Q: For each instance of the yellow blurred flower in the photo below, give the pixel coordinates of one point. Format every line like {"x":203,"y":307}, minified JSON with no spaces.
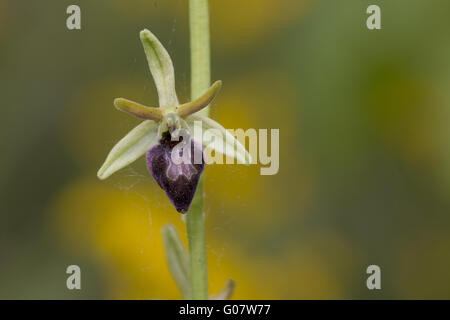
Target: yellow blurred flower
{"x":120,"y":231}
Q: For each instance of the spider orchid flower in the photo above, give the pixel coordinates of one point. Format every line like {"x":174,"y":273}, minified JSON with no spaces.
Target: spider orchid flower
{"x":174,"y":158}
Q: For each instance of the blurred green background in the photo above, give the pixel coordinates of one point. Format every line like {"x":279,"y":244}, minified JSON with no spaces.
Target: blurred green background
{"x":364,"y":149}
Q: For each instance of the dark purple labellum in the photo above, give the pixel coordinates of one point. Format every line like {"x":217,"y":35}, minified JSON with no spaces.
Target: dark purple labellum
{"x":177,"y":169}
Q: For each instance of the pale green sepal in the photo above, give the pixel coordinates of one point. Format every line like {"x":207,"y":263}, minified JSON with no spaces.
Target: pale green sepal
{"x":161,"y":68}
{"x":177,"y":260}
{"x":191,"y":107}
{"x":136,"y":143}
{"x":227,"y":291}
{"x":216,"y":137}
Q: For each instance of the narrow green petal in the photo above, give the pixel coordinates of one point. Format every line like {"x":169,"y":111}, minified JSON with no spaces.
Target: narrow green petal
{"x":161,"y":68}
{"x":177,"y":260}
{"x":138,"y":109}
{"x":191,"y":107}
{"x":229,"y":145}
{"x":132,"y":146}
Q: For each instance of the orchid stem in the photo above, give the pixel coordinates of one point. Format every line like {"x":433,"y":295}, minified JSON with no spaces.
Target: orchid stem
{"x":200,"y":81}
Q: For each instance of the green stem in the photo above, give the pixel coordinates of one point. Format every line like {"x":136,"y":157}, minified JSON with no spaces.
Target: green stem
{"x":200,"y":48}
{"x":200,"y":81}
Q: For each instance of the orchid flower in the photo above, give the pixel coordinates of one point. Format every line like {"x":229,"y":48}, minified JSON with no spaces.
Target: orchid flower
{"x":174,"y":159}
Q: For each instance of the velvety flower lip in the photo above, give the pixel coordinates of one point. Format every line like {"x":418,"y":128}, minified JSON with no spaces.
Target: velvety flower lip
{"x":158,"y":135}
{"x":179,"y":179}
